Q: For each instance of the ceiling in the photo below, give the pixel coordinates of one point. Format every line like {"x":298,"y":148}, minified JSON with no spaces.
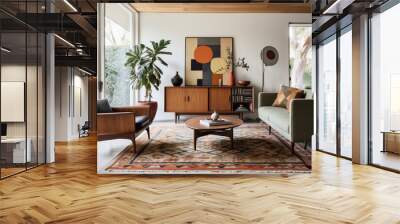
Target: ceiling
{"x":253,"y":7}
{"x":76,"y":24}
{"x":332,"y":15}
{"x":76,"y":20}
{"x":221,"y":1}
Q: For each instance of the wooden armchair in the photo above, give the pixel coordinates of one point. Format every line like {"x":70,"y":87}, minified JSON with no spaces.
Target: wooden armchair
{"x":122,"y":122}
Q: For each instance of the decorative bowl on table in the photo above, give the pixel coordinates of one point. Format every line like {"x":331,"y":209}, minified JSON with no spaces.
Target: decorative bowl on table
{"x":243,"y":82}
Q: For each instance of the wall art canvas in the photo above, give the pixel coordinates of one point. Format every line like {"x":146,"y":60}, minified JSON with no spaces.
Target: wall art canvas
{"x":207,"y":60}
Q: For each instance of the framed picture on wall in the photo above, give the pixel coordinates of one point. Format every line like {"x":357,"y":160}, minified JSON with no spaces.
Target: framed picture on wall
{"x":208,"y":60}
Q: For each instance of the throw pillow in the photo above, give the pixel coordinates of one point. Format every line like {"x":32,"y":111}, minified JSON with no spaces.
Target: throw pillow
{"x":103,"y":106}
{"x":286,"y":95}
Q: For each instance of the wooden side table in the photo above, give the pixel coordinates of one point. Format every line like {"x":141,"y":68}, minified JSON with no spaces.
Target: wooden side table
{"x":391,"y":141}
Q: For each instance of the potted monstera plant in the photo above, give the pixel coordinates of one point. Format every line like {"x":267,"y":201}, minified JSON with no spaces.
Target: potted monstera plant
{"x":145,"y":64}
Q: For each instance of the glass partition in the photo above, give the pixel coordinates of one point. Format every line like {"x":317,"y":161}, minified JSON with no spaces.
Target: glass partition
{"x":385,"y":89}
{"x":22,"y":77}
{"x":31,"y":98}
{"x":327,"y":96}
{"x":14,"y":153}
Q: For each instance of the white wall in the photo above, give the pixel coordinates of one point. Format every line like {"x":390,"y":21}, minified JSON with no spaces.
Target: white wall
{"x":251,"y":32}
{"x":61,"y":103}
{"x":67,"y":84}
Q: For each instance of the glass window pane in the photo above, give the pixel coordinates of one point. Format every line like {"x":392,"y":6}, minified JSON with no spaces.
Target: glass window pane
{"x":118,"y":41}
{"x":385,"y":84}
{"x":346,"y":94}
{"x":300,"y":55}
{"x":327,"y":97}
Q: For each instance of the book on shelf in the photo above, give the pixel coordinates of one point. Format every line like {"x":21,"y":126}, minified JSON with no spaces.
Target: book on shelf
{"x":242,"y":99}
{"x":210,"y":123}
{"x":243,"y":91}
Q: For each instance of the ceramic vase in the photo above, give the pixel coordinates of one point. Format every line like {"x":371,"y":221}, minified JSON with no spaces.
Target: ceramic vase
{"x":177,"y":80}
{"x":230,"y":79}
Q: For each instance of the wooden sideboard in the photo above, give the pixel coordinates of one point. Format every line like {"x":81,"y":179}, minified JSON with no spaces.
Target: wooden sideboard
{"x":206,"y":99}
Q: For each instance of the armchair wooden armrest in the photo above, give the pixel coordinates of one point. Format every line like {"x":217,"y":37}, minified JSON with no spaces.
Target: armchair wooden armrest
{"x":115,"y":124}
{"x":140,"y":110}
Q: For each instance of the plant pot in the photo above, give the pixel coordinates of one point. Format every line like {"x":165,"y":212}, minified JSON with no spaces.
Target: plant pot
{"x":230,"y":79}
{"x":153,"y":108}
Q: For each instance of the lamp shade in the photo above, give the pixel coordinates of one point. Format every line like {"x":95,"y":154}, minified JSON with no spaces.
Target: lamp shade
{"x":269,"y":55}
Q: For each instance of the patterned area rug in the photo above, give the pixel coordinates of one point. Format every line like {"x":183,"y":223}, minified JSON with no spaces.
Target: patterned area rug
{"x":171,"y":151}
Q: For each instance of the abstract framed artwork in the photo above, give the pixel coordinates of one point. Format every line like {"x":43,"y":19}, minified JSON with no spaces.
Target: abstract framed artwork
{"x":207,"y":60}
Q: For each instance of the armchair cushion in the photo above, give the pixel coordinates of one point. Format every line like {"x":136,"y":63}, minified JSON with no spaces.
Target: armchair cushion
{"x":103,"y":106}
{"x":141,"y":121}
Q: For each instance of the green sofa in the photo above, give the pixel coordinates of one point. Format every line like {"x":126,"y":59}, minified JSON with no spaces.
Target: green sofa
{"x":296,"y":125}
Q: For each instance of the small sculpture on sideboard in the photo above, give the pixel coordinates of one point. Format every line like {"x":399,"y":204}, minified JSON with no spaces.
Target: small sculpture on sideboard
{"x":177,"y":80}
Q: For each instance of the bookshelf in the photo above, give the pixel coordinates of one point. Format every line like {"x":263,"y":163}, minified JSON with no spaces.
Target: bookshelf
{"x":243,"y":99}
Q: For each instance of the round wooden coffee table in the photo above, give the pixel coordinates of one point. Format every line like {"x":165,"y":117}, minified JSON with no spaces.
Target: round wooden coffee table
{"x":221,"y":130}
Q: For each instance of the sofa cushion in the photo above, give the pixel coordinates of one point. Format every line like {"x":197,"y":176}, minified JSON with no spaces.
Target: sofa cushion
{"x":286,"y":95}
{"x":263,"y":113}
{"x":280,"y":118}
{"x":141,"y":121}
{"x":103,"y":106}
{"x":275,"y":116}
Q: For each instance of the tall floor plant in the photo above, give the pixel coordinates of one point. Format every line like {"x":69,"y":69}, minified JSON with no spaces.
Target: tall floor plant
{"x":145,"y":63}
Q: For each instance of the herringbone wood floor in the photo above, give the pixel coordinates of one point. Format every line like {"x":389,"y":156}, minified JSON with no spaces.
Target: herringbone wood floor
{"x":70,"y":191}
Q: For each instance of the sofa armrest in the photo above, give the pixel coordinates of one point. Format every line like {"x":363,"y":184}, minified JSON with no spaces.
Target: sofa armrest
{"x":115,"y":124}
{"x":140,"y":110}
{"x":301,"y":119}
{"x":266,"y":99}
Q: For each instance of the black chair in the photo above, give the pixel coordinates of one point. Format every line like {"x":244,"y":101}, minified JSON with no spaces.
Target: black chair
{"x":84,"y":129}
